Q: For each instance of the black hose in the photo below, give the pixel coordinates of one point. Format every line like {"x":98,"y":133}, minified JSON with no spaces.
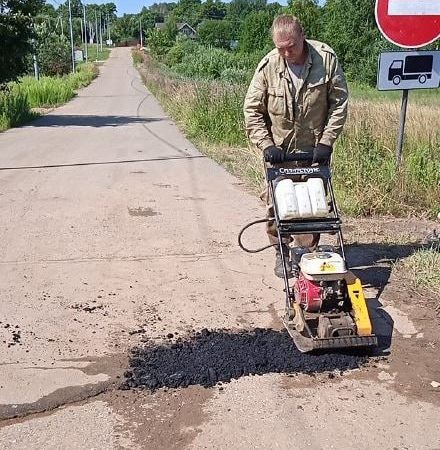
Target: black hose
{"x":248,"y":226}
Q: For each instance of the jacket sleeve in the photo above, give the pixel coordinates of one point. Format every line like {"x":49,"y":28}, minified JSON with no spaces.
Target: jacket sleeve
{"x":255,"y":111}
{"x":337,"y":103}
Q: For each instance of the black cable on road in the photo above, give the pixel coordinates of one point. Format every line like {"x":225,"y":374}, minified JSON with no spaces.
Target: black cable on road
{"x":100,"y":163}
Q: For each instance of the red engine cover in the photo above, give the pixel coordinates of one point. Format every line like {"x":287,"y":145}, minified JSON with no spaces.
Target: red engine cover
{"x":308,"y":294}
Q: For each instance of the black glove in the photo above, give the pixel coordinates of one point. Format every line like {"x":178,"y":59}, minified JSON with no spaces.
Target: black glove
{"x":274,"y":154}
{"x":321,"y":154}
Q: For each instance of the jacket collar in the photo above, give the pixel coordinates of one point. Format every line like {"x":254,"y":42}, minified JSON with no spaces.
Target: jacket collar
{"x":282,"y":65}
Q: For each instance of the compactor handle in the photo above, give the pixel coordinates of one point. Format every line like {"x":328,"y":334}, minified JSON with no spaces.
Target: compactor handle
{"x":297,"y":156}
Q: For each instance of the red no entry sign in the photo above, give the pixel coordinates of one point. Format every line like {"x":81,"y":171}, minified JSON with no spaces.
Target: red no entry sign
{"x":409,"y":23}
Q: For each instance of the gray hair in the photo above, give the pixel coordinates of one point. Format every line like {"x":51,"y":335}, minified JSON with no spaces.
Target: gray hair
{"x":286,"y":25}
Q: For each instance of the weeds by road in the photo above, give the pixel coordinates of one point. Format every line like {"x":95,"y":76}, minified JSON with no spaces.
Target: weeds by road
{"x":18,"y":103}
{"x":423,"y":268}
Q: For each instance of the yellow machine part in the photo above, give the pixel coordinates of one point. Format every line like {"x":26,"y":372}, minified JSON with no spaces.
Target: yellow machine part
{"x":361,"y":316}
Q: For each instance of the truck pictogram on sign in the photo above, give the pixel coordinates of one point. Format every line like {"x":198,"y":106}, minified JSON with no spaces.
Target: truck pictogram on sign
{"x":416,"y":67}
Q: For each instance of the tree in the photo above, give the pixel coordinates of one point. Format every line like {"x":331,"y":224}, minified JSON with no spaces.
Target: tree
{"x":213,"y":9}
{"x":163,"y":9}
{"x":48,"y":11}
{"x":350,"y":28}
{"x":188,"y":11}
{"x":127,"y":27}
{"x":159,"y":42}
{"x":309,"y":13}
{"x":239,"y":9}
{"x":16,"y":32}
{"x":255,"y":33}
{"x":75,"y":6}
{"x":217,"y":33}
{"x":53,"y":52}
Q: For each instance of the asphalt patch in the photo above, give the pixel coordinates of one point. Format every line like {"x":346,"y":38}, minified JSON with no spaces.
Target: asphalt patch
{"x":209,"y":357}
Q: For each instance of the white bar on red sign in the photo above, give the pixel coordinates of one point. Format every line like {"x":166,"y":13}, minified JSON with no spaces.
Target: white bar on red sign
{"x":414,"y":7}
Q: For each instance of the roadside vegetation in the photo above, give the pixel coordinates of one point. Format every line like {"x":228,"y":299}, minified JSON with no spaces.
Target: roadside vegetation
{"x":423,"y":268}
{"x":34,"y":42}
{"x":22,"y":99}
{"x":366,"y":179}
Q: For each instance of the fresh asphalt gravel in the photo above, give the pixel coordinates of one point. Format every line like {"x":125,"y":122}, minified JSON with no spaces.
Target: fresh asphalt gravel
{"x":209,"y":357}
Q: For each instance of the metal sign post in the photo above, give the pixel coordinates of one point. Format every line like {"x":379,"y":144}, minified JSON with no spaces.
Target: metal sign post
{"x":403,"y":109}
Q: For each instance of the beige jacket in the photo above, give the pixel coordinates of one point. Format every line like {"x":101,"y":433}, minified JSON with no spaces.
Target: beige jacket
{"x":316,"y":114}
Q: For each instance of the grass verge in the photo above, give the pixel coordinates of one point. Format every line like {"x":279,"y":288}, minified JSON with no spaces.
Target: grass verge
{"x":423,"y":268}
{"x":54,"y":91}
{"x":95,"y":54}
{"x":14,"y":109}
{"x":17,"y":102}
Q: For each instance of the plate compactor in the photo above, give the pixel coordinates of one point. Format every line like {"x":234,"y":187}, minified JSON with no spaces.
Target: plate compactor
{"x":325,"y":306}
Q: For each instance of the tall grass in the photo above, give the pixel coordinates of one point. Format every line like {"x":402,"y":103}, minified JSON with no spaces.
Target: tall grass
{"x":17,"y":101}
{"x":14,"y":109}
{"x":366,"y":179}
{"x":54,"y":91}
{"x":424,"y":270}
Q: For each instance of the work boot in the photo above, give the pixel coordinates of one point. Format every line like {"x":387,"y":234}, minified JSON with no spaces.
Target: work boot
{"x":279,"y":263}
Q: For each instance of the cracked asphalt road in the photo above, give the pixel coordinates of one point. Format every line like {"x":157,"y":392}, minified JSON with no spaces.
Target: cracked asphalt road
{"x":115,"y":228}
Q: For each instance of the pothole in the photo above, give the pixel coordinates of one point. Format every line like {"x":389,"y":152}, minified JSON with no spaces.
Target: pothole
{"x":209,"y":357}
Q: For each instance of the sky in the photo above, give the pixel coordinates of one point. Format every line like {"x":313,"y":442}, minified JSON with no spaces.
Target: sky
{"x":127,"y":6}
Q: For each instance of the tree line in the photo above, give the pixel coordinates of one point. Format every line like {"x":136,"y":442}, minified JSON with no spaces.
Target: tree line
{"x":35,"y":27}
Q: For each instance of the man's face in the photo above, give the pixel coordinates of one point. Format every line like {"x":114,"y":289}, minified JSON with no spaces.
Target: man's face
{"x":291,"y":47}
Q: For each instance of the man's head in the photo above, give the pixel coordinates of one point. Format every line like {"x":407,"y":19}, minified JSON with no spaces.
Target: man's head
{"x":288,"y":37}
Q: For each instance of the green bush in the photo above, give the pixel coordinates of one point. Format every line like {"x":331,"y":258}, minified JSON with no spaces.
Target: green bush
{"x":183,"y":46}
{"x":84,"y":75}
{"x":208,"y":63}
{"x":137,"y":57}
{"x":159,"y":42}
{"x":217,"y":33}
{"x":53,"y":52}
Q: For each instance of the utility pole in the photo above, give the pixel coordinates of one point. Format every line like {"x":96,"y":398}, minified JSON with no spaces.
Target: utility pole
{"x":82,"y":31}
{"x":34,"y":58}
{"x":85,"y":34}
{"x":96,"y":29}
{"x":100,"y":29}
{"x":108,"y":28}
{"x":71,"y":38}
{"x":140,"y":32}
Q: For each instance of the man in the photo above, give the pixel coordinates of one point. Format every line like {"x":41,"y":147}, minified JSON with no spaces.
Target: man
{"x":297,"y":100}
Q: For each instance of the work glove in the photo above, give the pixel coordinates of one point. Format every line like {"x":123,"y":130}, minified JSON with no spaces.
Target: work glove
{"x":274,"y":154}
{"x":321,"y":154}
